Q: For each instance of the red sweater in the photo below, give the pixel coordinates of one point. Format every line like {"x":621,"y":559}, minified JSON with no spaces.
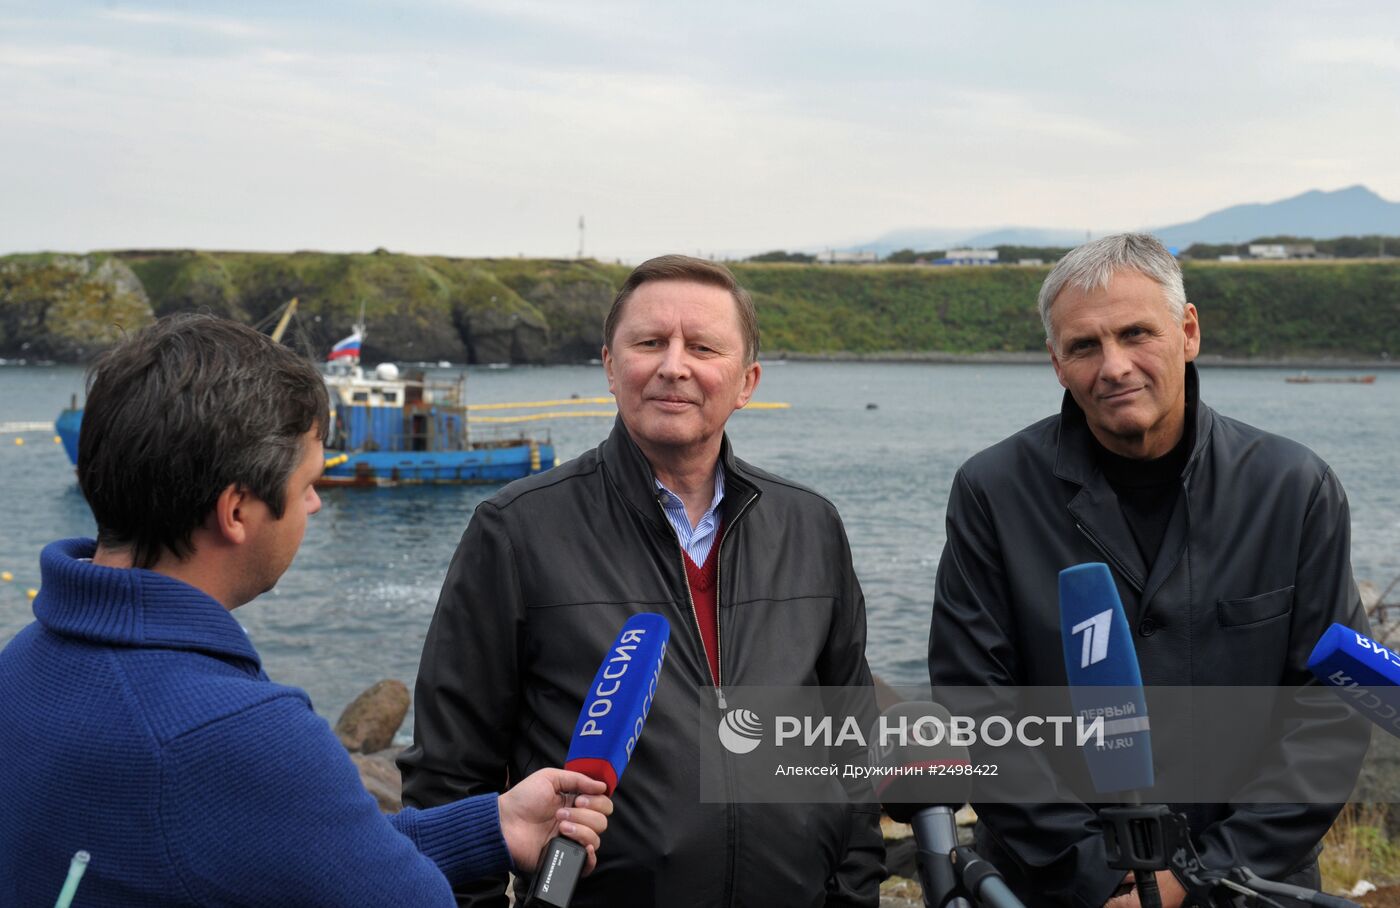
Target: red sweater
{"x":702,"y":591}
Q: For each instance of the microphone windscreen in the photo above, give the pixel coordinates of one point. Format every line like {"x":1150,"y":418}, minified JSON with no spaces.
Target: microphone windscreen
{"x":616,"y":708}
{"x":912,"y":739}
{"x":1364,"y":672}
{"x":1105,"y":681}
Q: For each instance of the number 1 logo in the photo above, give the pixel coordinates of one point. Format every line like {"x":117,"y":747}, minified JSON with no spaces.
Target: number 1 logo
{"x":1095,"y":631}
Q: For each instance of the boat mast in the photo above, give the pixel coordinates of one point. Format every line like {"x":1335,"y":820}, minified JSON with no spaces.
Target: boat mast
{"x":285,"y":320}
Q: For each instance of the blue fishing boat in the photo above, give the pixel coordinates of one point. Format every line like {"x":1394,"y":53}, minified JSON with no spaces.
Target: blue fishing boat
{"x":392,"y":429}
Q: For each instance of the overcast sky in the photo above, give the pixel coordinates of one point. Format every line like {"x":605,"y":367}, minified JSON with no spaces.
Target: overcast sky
{"x":487,"y":127}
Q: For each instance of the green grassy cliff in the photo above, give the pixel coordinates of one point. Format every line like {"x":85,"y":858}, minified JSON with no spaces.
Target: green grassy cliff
{"x":537,"y":310}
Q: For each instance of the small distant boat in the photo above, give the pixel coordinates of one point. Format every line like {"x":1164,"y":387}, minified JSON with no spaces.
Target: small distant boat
{"x":1306,"y":379}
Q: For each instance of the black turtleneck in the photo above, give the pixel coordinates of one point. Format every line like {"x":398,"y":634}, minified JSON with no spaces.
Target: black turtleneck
{"x":1147,"y":489}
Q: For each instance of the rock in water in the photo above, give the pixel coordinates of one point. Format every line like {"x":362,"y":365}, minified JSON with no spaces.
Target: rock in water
{"x":380,"y":776}
{"x":369,"y":723}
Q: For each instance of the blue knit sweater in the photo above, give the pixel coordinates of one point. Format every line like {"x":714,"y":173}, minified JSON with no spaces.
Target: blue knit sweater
{"x":136,"y":723}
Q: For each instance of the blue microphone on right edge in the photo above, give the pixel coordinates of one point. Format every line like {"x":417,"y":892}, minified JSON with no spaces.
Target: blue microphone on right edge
{"x":1363,"y":672}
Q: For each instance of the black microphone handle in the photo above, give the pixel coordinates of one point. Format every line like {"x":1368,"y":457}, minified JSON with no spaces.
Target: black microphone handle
{"x":936,"y":833}
{"x":557,"y":876}
{"x":982,"y":881}
{"x":1148,"y":895}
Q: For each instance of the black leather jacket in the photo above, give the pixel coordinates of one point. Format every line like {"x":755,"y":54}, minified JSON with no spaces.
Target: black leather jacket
{"x":546,"y":573}
{"x":1255,"y":565}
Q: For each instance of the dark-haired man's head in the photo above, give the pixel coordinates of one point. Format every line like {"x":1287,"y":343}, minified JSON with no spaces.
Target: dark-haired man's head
{"x":199,"y":431}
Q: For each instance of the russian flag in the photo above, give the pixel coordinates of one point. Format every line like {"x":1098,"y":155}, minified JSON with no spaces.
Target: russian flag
{"x":346,"y":349}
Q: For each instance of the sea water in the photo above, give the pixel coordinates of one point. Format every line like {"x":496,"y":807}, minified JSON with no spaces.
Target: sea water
{"x":881,"y":440}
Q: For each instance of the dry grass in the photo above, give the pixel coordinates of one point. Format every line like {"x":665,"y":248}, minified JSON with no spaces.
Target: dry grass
{"x":1358,"y":847}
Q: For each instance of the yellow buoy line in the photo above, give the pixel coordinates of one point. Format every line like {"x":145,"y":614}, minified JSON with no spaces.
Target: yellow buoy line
{"x":535,"y":417}
{"x":574,"y":414}
{"x":20,"y":429}
{"x":7,"y":577}
{"x":523,"y":404}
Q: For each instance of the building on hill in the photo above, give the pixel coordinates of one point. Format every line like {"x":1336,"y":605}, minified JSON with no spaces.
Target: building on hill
{"x":969,"y":257}
{"x":1281,"y":251}
{"x":832,"y":257}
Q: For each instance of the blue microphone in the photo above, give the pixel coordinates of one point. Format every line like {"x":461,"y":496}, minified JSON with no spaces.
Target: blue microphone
{"x":618,"y":702}
{"x":605,"y":736}
{"x":1102,"y":667}
{"x":1364,"y":673}
{"x":1105,"y":681}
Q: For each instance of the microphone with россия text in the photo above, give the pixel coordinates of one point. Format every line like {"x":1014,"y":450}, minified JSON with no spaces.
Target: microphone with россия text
{"x":608,"y":727}
{"x":1364,"y":673}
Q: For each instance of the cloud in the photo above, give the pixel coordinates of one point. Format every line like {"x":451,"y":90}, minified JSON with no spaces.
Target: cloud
{"x":228,"y":28}
{"x":1381,"y":53}
{"x":1002,"y":113}
{"x":73,"y":55}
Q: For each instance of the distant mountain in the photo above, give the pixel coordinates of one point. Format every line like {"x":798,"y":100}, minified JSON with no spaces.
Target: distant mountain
{"x":1354,"y":211}
{"x":1028,"y":236}
{"x":921,"y":239}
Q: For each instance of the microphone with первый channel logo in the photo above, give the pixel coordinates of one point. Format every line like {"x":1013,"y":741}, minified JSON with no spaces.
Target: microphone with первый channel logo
{"x":1105,"y":682}
{"x":608,"y":727}
{"x":1104,"y":678}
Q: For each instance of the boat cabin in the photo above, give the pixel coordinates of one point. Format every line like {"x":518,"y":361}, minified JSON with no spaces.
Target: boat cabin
{"x":382,"y":411}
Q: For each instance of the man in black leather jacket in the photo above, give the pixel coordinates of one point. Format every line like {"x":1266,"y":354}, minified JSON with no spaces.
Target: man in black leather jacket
{"x":753,"y":572}
{"x":1230,"y":547}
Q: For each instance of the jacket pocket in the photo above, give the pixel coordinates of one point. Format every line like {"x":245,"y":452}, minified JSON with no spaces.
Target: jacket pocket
{"x":1255,"y":609}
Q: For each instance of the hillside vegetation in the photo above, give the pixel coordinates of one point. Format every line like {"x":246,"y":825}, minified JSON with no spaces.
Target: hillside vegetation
{"x":534,"y":310}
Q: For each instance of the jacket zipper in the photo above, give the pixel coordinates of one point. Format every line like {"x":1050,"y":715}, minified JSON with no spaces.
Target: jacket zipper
{"x":731,"y":824}
{"x":1103,"y":550}
{"x":690,"y":599}
{"x":731,"y":819}
{"x":719,"y":645}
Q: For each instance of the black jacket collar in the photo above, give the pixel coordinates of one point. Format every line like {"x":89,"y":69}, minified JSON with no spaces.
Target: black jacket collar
{"x":1095,"y":507}
{"x":635,"y":481}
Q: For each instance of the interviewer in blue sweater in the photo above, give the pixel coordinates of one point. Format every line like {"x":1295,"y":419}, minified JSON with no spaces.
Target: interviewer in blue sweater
{"x":136,"y":722}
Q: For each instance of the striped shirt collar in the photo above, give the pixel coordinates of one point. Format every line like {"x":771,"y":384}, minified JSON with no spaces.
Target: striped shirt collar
{"x":698,"y":539}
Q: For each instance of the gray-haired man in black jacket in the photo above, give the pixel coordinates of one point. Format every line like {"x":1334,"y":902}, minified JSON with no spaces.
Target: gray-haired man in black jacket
{"x":1230,"y":547}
